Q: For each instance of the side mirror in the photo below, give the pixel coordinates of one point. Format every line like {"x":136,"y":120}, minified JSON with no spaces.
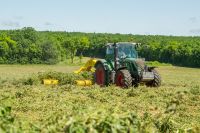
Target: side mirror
{"x":143,"y":59}
{"x":114,"y":44}
{"x":137,"y":45}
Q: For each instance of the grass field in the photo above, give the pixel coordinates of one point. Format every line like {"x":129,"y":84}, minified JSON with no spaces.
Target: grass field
{"x":175,"y":106}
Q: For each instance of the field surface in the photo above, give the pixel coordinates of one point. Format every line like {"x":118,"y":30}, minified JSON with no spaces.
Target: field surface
{"x":175,"y":105}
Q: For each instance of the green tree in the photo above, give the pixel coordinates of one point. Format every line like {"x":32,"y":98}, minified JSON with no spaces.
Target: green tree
{"x":71,"y":46}
{"x":7,"y":49}
{"x":83,"y":45}
{"x":50,"y":53}
{"x":29,"y":33}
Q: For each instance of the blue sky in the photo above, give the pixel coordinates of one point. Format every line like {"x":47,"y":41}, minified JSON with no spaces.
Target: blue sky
{"x":163,"y":17}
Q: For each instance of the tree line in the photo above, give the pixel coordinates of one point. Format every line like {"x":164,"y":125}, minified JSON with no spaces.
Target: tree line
{"x":28,"y":46}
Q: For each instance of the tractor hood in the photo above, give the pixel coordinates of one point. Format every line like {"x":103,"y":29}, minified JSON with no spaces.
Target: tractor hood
{"x":140,"y":63}
{"x":136,"y":65}
{"x":137,"y":62}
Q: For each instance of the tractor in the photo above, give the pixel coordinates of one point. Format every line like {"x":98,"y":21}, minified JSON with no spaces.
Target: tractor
{"x":121,"y":66}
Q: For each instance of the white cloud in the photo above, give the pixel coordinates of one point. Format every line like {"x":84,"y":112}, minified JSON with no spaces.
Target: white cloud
{"x":48,"y":23}
{"x":194,"y":19}
{"x":18,"y":17}
{"x":10,"y":23}
{"x":195,"y":31}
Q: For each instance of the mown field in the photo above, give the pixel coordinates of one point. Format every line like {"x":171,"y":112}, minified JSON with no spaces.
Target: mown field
{"x":174,"y":107}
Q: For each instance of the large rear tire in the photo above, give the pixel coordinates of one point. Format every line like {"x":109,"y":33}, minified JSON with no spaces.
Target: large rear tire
{"x":156,"y":82}
{"x":100,"y":75}
{"x":123,"y":79}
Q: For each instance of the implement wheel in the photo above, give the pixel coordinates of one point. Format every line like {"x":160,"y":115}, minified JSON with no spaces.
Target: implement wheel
{"x":123,"y":79}
{"x":100,"y":75}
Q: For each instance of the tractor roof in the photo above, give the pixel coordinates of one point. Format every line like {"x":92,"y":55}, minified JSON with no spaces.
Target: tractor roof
{"x":121,"y":43}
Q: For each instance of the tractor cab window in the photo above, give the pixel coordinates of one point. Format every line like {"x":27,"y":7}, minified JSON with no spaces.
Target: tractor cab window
{"x":126,"y":51}
{"x":110,"y":50}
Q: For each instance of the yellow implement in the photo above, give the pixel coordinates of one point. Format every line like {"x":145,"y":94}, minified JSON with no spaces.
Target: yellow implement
{"x":50,"y":82}
{"x":83,"y":82}
{"x":87,"y":67}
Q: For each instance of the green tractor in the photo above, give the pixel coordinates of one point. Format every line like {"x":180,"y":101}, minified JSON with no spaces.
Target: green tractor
{"x":121,"y":66}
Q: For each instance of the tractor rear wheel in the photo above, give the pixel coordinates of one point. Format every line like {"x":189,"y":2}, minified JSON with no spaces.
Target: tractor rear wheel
{"x":123,"y":79}
{"x":156,"y":82}
{"x":100,"y":75}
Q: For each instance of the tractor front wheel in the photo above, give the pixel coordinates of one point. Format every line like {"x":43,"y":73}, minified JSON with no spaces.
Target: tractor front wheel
{"x":123,"y":79}
{"x":100,"y":75}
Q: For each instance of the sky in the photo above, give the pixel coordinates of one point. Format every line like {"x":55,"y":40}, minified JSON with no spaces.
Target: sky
{"x":146,"y":17}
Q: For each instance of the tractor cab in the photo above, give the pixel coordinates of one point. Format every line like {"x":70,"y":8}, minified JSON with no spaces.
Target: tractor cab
{"x":118,"y":53}
{"x":123,"y":50}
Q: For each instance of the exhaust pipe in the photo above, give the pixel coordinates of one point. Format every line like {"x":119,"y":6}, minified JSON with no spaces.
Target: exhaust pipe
{"x":115,"y":56}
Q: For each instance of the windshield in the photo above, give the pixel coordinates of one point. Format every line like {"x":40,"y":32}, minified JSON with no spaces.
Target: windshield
{"x":126,"y":51}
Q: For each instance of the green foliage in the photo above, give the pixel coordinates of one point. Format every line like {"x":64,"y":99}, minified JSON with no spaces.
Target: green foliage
{"x":173,"y":107}
{"x":83,"y":45}
{"x":156,"y":63}
{"x":95,"y":122}
{"x":30,"y":46}
{"x":175,"y":50}
{"x":49,"y":53}
{"x":195,"y":90}
{"x":5,"y":115}
{"x":33,"y":80}
{"x":71,"y":46}
{"x":7,"y":49}
{"x":107,"y":123}
{"x":7,"y":124}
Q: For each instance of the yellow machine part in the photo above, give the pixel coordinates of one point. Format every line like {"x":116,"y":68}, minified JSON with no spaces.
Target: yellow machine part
{"x":89,"y":66}
{"x":83,"y":82}
{"x":50,"y":82}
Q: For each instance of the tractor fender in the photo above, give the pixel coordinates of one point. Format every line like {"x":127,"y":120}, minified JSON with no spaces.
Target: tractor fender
{"x":121,"y":68}
{"x":107,"y":70}
{"x":151,"y":68}
{"x":104,"y":63}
